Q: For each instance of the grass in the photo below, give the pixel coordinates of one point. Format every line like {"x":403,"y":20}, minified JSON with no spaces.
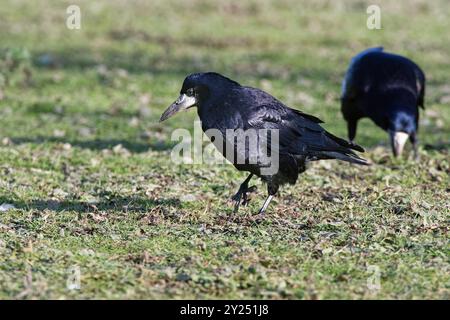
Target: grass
{"x":87,"y":165}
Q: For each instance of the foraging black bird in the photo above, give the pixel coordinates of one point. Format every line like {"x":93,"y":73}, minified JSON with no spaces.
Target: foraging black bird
{"x":223,"y":104}
{"x":388,"y":89}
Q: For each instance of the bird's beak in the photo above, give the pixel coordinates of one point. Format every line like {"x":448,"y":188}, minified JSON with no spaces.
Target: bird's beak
{"x":182,"y":103}
{"x":398,"y":140}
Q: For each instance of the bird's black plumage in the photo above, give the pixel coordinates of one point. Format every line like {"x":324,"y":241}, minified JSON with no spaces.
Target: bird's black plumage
{"x":385,"y":87}
{"x":224,"y":104}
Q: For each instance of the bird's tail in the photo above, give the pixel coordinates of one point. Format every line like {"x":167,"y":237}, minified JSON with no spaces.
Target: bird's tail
{"x":344,"y":143}
{"x":344,"y":151}
{"x":348,"y":157}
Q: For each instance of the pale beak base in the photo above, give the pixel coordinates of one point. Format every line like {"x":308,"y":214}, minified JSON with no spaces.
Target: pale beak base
{"x":182,"y":103}
{"x":398,"y":140}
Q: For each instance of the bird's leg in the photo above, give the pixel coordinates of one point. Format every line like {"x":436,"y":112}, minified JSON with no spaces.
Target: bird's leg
{"x":265,"y":205}
{"x":245,"y":199}
{"x":413,"y":139}
{"x":351,"y":126}
{"x":271,"y":190}
{"x":242,"y":192}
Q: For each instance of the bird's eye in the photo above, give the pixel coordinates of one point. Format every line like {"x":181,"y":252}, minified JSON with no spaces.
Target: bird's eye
{"x":190,"y":92}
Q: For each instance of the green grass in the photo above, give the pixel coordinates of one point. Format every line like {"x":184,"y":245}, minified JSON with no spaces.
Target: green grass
{"x":138,"y":226}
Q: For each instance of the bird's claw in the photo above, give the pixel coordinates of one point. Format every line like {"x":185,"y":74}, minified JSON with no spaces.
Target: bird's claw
{"x":237,"y":197}
{"x":242,"y":195}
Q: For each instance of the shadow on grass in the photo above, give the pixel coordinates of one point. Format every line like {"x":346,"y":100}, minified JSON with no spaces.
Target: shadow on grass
{"x":136,"y":62}
{"x":139,"y":61}
{"x":117,"y":203}
{"x":98,"y":144}
{"x":444,"y":146}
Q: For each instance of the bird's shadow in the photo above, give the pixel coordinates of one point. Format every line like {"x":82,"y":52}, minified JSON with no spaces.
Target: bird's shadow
{"x":165,"y":63}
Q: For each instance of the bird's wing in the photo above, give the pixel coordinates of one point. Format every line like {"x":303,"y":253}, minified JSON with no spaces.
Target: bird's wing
{"x":298,"y":133}
{"x":277,"y":116}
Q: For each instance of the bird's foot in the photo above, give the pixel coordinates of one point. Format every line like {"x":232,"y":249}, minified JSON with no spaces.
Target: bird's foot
{"x":245,"y":197}
{"x":416,"y":156}
{"x":242,"y":194}
{"x":237,"y":197}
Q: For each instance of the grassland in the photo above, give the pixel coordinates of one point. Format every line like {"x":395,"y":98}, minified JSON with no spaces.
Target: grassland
{"x":86,"y":164}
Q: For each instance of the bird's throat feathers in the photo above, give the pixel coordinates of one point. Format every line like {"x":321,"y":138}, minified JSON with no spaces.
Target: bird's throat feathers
{"x":403,"y":120}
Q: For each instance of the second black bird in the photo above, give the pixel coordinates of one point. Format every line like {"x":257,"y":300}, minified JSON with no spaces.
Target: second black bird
{"x":388,"y":89}
{"x":224,"y":105}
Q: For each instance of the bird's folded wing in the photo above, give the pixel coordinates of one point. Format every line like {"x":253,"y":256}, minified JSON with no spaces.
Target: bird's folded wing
{"x":268,"y":116}
{"x":299,"y":133}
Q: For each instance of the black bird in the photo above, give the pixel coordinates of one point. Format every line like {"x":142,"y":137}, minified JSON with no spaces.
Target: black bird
{"x":223,"y":104}
{"x":388,"y":89}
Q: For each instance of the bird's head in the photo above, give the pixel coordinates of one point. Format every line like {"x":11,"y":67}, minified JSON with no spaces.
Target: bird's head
{"x":196,"y":89}
{"x":402,"y":125}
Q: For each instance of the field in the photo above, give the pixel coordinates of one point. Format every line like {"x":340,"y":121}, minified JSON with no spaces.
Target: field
{"x":93,"y":207}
